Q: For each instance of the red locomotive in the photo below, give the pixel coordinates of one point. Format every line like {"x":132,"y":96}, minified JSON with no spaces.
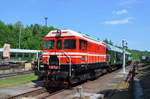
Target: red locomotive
{"x":69,"y":57}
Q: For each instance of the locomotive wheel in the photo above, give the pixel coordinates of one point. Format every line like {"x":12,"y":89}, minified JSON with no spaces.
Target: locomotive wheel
{"x":109,"y":70}
{"x":69,"y":86}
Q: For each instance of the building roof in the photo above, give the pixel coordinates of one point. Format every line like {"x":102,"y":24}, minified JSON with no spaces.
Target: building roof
{"x":21,"y":50}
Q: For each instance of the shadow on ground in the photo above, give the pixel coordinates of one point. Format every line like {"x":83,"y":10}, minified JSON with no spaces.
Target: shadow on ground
{"x":145,"y":83}
{"x":116,"y":94}
{"x":38,"y":83}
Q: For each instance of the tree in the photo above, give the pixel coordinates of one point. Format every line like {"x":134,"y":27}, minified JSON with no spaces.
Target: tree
{"x":108,"y":41}
{"x":31,"y":35}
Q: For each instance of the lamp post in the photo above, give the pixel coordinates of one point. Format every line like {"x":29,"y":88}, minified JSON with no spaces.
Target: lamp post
{"x":46,"y":18}
{"x":19,"y":37}
{"x":124,"y":45}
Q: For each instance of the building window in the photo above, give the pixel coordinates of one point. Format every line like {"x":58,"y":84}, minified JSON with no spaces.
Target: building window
{"x":12,"y":54}
{"x":26,"y":54}
{"x":0,"y":54}
{"x":19,"y":54}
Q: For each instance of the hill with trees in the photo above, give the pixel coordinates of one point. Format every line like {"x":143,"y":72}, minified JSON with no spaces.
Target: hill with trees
{"x":31,"y":37}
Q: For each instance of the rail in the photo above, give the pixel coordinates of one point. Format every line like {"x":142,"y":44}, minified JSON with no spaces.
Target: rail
{"x":40,"y":93}
{"x":14,"y":74}
{"x":29,"y":94}
{"x":46,"y":95}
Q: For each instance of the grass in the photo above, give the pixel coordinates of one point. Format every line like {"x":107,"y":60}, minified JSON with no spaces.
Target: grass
{"x":123,"y":85}
{"x":17,"y":80}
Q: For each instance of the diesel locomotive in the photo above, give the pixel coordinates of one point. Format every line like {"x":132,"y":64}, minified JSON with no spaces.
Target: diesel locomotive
{"x":70,"y":57}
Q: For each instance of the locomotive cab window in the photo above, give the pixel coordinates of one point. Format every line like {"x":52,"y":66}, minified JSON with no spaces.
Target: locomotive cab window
{"x":48,"y":44}
{"x":83,"y":45}
{"x":69,"y":44}
{"x":59,"y":44}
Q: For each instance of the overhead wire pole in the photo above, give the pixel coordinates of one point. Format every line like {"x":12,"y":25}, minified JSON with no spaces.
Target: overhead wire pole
{"x":124,"y":45}
{"x":124,"y":60}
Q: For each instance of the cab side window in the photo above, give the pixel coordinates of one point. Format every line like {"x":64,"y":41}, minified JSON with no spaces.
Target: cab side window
{"x":59,"y":44}
{"x":83,"y":45}
{"x":48,"y":44}
{"x":69,"y":44}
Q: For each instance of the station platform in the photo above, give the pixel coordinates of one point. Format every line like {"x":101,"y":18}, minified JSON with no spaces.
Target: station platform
{"x":106,"y":84}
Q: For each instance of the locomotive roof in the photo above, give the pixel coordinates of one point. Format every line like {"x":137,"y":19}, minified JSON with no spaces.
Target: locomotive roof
{"x":73,"y":33}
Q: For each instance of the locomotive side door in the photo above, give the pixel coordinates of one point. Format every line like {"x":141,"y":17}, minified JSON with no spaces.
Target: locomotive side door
{"x":83,"y":49}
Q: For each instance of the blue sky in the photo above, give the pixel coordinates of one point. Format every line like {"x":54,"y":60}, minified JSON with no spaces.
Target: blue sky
{"x":112,"y":19}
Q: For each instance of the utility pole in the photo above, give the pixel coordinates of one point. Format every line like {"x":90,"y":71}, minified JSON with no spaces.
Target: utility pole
{"x":46,"y":18}
{"x":19,"y":37}
{"x":124,"y":45}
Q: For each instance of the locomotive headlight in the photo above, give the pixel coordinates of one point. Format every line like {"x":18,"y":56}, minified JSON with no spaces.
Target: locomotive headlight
{"x":83,"y":58}
{"x":42,"y":66}
{"x":47,"y":60}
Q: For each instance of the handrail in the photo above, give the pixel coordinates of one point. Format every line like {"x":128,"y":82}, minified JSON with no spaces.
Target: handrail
{"x":70,"y":67}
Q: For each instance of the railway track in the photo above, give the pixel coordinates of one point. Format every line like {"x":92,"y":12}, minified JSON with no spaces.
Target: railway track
{"x":29,"y":94}
{"x":40,"y":93}
{"x":9,"y":75}
{"x":49,"y":94}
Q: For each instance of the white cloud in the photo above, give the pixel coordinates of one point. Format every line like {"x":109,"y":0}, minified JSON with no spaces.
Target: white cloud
{"x":124,"y":21}
{"x":119,"y":12}
{"x":127,"y":2}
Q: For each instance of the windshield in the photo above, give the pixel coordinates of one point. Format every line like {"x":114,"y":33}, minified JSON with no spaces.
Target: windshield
{"x":69,"y":44}
{"x":48,"y":44}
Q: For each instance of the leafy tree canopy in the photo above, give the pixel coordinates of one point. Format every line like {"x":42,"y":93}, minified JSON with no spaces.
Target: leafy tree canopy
{"x":31,"y":35}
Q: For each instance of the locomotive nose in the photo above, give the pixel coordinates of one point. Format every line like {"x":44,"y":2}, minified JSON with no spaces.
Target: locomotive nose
{"x":53,"y":60}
